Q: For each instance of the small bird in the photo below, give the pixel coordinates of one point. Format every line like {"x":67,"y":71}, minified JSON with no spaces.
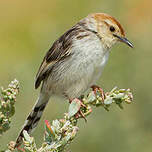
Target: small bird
{"x":75,"y":62}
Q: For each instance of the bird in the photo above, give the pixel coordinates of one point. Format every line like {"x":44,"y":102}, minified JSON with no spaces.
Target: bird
{"x":74,"y":63}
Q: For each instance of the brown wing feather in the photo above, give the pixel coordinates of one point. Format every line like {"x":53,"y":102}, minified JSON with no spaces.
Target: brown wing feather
{"x":59,"y":50}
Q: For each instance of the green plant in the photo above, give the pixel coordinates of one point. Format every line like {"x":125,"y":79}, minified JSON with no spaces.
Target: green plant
{"x":60,"y":133}
{"x":7,"y":101}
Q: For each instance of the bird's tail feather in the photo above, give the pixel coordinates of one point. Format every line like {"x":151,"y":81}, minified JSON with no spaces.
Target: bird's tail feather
{"x":33,"y":118}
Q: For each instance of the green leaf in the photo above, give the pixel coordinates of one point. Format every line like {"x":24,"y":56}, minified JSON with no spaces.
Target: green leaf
{"x":49,"y":133}
{"x":91,"y":97}
{"x":48,"y":138}
{"x":74,"y":107}
{"x":108,"y":101}
{"x":26,"y":136}
{"x":119,"y":96}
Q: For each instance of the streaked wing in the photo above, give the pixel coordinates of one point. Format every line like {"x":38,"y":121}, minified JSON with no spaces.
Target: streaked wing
{"x":59,"y":50}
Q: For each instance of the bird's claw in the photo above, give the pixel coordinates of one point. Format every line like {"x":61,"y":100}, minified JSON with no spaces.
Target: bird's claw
{"x":80,"y":113}
{"x":96,"y":88}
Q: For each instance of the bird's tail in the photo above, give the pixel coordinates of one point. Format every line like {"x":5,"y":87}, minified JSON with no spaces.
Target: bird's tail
{"x":33,"y":118}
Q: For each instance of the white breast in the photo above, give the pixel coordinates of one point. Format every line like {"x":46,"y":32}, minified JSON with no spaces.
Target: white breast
{"x":74,"y":76}
{"x":91,"y":56}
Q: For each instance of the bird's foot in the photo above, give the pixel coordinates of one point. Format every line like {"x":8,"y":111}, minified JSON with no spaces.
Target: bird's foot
{"x":80,"y":113}
{"x":96,"y":89}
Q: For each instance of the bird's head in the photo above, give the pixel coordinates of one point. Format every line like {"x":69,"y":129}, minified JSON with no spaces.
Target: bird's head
{"x":108,"y":29}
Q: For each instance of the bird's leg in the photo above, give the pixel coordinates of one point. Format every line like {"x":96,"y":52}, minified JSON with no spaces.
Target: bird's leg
{"x":79,"y":113}
{"x":96,"y":88}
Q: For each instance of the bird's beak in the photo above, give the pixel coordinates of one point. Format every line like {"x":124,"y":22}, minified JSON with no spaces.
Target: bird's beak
{"x":124,"y":40}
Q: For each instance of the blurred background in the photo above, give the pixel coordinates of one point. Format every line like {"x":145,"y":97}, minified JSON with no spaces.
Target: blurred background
{"x":28,"y":29}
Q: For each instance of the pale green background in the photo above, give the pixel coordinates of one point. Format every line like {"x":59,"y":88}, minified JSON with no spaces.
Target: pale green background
{"x":28,"y":29}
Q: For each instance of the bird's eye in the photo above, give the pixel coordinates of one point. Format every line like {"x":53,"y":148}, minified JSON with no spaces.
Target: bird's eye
{"x":112,"y":29}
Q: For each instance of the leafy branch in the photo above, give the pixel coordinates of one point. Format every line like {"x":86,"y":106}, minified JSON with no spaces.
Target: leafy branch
{"x":7,"y":101}
{"x":61,"y":133}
